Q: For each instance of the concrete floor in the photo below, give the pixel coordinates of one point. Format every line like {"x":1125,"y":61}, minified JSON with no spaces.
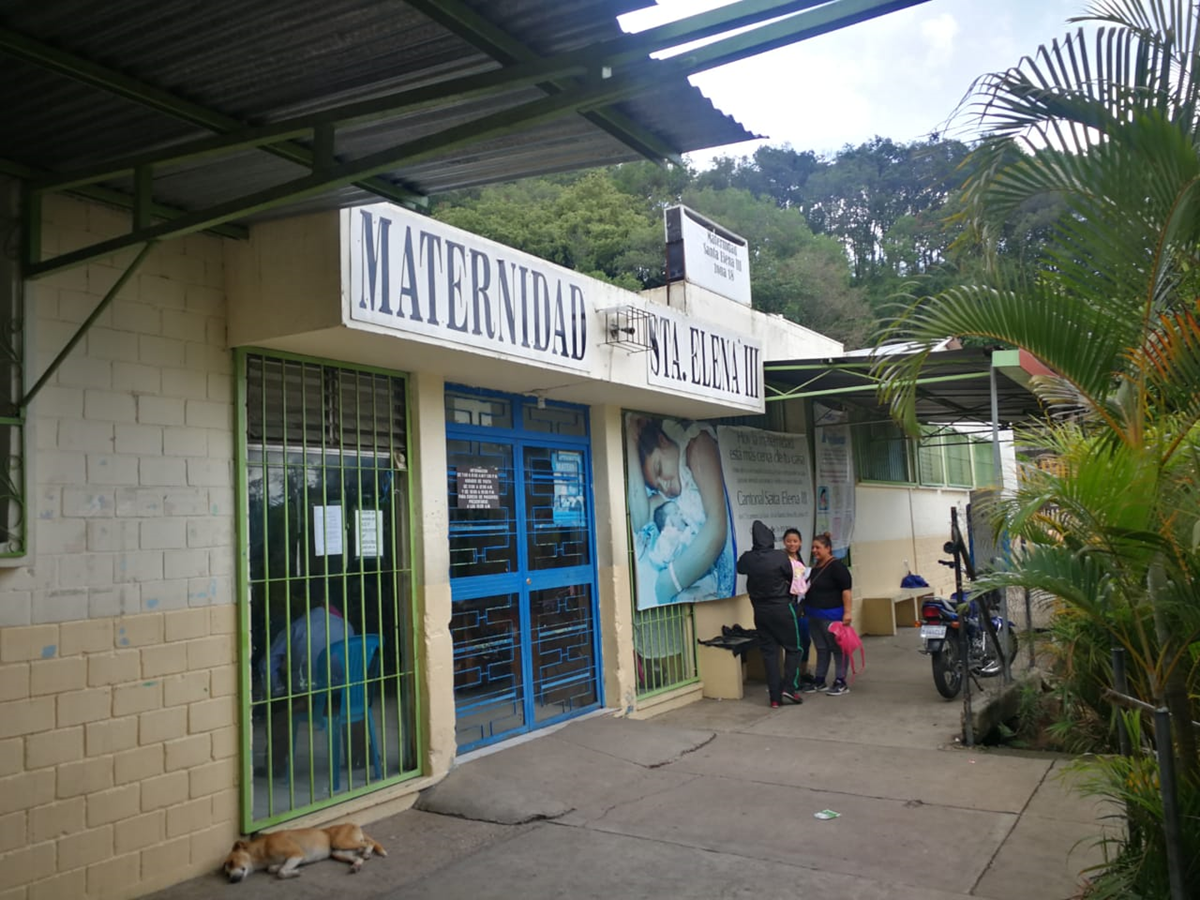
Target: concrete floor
{"x":716,"y":800}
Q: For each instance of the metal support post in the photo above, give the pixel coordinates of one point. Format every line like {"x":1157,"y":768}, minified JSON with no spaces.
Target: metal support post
{"x":1121,"y":686}
{"x":1166,"y":781}
{"x":1005,"y":645}
{"x":1029,"y":628}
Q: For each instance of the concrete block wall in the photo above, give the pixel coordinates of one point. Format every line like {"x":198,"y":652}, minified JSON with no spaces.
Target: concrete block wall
{"x":118,"y":674}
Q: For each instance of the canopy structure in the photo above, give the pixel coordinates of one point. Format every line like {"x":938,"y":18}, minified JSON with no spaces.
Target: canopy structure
{"x":206,"y":116}
{"x":955,"y":386}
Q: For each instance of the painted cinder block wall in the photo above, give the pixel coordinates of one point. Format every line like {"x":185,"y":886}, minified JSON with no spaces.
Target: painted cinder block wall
{"x":118,"y":676}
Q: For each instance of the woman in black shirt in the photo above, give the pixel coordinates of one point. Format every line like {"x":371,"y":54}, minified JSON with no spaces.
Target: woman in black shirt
{"x":828,"y":600}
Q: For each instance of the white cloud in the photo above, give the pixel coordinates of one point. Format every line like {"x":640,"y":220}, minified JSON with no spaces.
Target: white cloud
{"x":940,"y":34}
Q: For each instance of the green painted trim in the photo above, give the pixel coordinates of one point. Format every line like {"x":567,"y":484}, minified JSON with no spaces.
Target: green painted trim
{"x":657,"y":692}
{"x":416,"y":598}
{"x":1003,"y":359}
{"x":406,"y":603}
{"x":858,"y":389}
{"x":242,"y":529}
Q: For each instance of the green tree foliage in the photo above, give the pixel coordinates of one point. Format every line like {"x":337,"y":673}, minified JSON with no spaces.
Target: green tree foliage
{"x":608,"y":224}
{"x":1097,"y":147}
{"x":834,"y":240}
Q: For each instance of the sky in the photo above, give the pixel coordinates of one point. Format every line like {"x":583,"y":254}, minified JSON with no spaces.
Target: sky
{"x":898,"y":76}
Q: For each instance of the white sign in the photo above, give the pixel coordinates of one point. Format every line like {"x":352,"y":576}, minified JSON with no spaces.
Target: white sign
{"x":693,"y":357}
{"x":327,"y":530}
{"x":834,"y":465}
{"x":416,"y":276}
{"x":368,"y":532}
{"x":768,"y":477}
{"x":713,"y":258}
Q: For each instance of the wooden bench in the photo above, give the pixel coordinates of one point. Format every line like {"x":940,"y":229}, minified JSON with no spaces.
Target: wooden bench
{"x":882,"y":613}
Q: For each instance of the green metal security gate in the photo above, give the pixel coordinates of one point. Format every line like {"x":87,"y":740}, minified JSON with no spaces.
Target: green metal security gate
{"x":329,"y":663}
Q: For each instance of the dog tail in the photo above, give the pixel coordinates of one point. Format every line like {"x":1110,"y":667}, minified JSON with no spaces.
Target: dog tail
{"x":376,"y":846}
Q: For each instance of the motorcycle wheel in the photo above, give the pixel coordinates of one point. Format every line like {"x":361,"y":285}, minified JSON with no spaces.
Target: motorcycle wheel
{"x":991,"y":663}
{"x":947,"y":669}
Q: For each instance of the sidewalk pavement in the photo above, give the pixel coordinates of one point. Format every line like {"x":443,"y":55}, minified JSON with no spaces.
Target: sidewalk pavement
{"x":717,"y":800}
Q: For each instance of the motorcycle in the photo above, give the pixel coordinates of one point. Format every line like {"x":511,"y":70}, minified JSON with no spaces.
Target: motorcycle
{"x":978,"y":635}
{"x":941,"y":629}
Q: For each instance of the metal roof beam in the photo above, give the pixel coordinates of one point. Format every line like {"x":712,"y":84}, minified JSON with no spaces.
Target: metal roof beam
{"x":790,"y":30}
{"x":795,"y":394}
{"x":583,"y":98}
{"x":82,"y":70}
{"x":340,"y":174}
{"x":532,"y":70}
{"x":117,"y":198}
{"x":503,"y":47}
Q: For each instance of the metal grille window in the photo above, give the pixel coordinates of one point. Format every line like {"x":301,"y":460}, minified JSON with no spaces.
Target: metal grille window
{"x":985,"y":464}
{"x":331,"y":706}
{"x":664,"y":647}
{"x":958,"y":461}
{"x":931,"y":468}
{"x":883,"y":453}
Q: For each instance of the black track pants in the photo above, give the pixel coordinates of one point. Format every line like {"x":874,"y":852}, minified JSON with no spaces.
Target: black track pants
{"x":778,"y":626}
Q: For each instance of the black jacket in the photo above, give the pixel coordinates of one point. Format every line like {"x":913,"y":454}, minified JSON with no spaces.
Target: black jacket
{"x":768,"y":571}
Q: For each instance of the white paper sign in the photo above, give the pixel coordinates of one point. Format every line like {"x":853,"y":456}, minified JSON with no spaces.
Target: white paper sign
{"x":327,"y":530}
{"x":368,"y":532}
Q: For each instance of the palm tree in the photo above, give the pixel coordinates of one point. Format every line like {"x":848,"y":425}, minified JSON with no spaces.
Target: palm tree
{"x":1110,"y":125}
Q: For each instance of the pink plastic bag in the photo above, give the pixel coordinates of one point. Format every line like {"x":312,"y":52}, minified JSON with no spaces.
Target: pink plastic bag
{"x":849,"y":641}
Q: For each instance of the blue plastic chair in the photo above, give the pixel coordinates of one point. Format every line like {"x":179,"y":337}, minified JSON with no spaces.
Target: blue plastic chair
{"x":363,"y":657}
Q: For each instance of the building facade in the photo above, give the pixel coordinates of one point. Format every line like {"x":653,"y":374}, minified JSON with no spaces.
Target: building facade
{"x":290,"y":555}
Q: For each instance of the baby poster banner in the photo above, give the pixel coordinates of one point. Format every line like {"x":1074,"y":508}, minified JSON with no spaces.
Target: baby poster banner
{"x":835,"y":476}
{"x":682,"y":531}
{"x":768,"y":476}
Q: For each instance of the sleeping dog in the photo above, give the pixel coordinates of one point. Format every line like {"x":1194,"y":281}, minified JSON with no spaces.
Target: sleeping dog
{"x":283,"y":852}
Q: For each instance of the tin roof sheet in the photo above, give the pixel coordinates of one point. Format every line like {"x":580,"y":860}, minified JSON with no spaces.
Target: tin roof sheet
{"x":264,"y":61}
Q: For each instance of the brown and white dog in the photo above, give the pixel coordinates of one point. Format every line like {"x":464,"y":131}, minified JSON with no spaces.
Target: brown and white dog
{"x":283,"y":852}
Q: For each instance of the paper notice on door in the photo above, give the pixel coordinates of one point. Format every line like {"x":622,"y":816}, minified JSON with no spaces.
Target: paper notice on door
{"x":327,"y":530}
{"x":368,"y":532}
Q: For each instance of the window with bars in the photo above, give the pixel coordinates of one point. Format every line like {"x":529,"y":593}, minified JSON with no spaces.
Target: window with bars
{"x":883,"y":453}
{"x":931,"y":469}
{"x":331,"y":710}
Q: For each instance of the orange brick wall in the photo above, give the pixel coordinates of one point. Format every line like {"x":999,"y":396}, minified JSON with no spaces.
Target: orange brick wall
{"x":118,"y":753}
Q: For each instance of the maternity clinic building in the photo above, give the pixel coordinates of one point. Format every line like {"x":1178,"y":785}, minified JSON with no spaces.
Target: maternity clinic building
{"x":401,"y":434}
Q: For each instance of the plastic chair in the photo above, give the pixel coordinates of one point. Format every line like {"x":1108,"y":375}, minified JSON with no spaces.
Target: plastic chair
{"x":320,"y":703}
{"x":359,"y":656}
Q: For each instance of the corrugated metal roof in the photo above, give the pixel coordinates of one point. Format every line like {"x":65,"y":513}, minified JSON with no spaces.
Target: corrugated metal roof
{"x":263,"y":61}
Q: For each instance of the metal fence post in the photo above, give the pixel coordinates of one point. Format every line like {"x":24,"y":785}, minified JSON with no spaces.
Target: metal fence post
{"x":1166,"y":782}
{"x":1121,"y":685}
{"x":1029,"y":628}
{"x":964,"y":643}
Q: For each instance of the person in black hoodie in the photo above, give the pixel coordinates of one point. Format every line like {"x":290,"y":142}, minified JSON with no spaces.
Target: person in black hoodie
{"x":769,"y":583}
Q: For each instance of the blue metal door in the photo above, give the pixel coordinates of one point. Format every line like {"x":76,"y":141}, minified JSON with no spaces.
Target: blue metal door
{"x":522,"y":565}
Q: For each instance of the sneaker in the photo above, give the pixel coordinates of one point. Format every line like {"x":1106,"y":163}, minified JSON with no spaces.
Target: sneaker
{"x":809,"y":687}
{"x":821,"y":686}
{"x":805,"y":678}
{"x":839,"y":688}
{"x":794,"y":698}
{"x":774,"y":705}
